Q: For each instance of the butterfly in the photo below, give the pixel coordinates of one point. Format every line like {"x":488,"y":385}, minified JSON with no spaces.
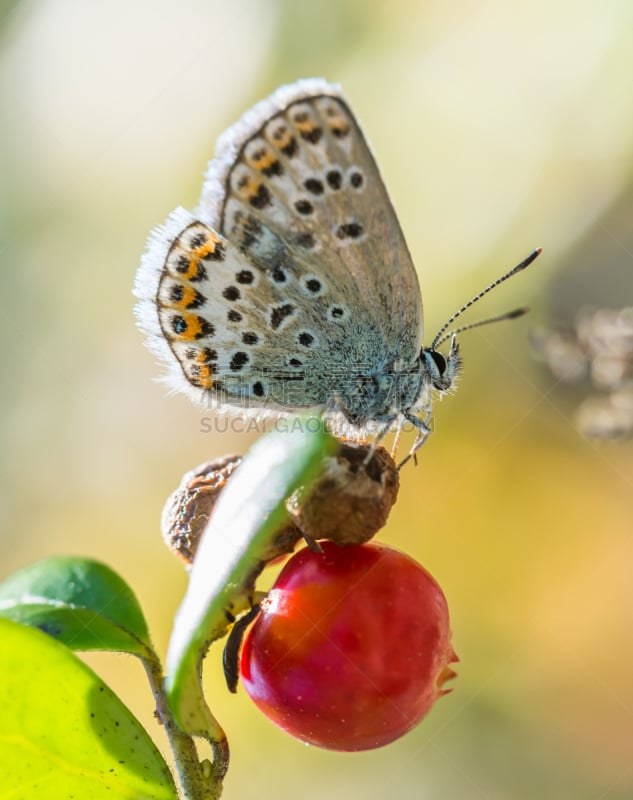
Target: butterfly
{"x":290,"y":288}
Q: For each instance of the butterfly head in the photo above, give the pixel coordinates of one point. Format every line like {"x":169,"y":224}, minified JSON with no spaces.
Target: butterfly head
{"x":441,"y":371}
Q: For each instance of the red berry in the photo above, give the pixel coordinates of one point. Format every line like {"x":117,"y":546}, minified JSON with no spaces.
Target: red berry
{"x":351,"y":647}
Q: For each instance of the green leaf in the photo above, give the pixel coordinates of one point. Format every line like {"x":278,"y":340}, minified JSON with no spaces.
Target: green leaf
{"x":249,"y":512}
{"x":81,"y":602}
{"x":63,"y":733}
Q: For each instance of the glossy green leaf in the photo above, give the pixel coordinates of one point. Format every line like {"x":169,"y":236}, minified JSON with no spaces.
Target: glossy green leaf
{"x":63,"y":733}
{"x":249,"y":513}
{"x":81,"y":602}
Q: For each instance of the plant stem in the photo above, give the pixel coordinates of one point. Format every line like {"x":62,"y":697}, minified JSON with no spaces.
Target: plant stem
{"x":197,"y":780}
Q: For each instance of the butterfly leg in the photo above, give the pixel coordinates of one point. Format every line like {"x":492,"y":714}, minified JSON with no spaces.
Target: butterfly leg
{"x":424,"y":430}
{"x":379,"y":437}
{"x":396,"y":442}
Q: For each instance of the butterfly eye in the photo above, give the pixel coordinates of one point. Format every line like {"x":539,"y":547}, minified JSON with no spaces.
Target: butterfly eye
{"x":440,"y":361}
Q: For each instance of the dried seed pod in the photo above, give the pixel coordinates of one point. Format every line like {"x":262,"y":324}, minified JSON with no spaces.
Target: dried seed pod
{"x":351,"y":499}
{"x":188,"y":508}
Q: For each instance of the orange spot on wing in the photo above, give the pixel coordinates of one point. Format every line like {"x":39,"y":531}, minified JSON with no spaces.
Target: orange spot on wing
{"x":208,"y":247}
{"x":338,"y":126}
{"x":249,"y":189}
{"x":202,"y":377}
{"x":188,"y":296}
{"x":264,"y":160}
{"x":306,"y":127}
{"x":182,"y":272}
{"x":193,"y":329}
{"x":283,"y":140}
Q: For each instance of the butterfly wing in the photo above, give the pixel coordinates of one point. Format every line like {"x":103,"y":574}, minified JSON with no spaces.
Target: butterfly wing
{"x":293,"y":275}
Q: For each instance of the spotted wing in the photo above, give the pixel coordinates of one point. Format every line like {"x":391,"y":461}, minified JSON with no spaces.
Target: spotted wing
{"x":293,"y":274}
{"x":298,"y":167}
{"x":210,"y":315}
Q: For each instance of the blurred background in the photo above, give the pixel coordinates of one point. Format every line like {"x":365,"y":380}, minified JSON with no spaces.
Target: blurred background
{"x":498,"y":127}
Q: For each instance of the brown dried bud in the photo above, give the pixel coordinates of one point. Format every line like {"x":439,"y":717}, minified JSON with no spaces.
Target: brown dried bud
{"x":351,"y":499}
{"x":187,"y":510}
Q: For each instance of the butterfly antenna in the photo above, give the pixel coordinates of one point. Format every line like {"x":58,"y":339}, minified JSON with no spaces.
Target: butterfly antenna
{"x":519,"y":267}
{"x":517,"y":312}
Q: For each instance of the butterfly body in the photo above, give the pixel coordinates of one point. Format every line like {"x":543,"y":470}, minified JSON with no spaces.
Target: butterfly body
{"x":291,"y":286}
